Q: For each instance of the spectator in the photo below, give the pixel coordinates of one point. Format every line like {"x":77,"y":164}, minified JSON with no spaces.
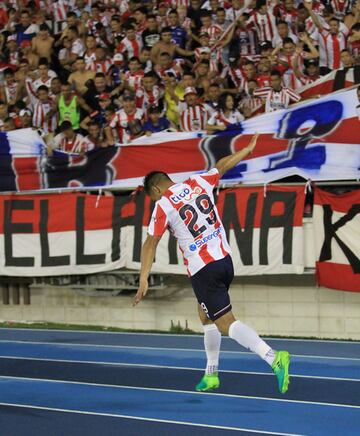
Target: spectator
{"x":276,"y":97}
{"x":42,"y":43}
{"x":95,"y":89}
{"x":194,"y":115}
{"x":96,"y":135}
{"x":80,"y":76}
{"x":127,"y":121}
{"x":225,"y":116}
{"x":68,"y":106}
{"x":25,"y":118}
{"x":156,"y":122}
{"x":331,"y":41}
{"x":43,"y":117}
{"x":69,"y":141}
{"x":150,"y":36}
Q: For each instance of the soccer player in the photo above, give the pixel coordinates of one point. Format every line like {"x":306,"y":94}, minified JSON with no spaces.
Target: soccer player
{"x":188,"y":209}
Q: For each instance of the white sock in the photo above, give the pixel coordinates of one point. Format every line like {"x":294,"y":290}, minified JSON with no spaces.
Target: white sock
{"x":248,"y":338}
{"x":212,"y":341}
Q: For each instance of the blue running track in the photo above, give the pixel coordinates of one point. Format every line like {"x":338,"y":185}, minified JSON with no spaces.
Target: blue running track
{"x":71,"y":383}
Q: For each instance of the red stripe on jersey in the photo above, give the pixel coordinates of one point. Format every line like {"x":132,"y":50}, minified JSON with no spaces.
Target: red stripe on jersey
{"x":212,"y":179}
{"x":205,"y":255}
{"x":336,"y":51}
{"x":159,"y":222}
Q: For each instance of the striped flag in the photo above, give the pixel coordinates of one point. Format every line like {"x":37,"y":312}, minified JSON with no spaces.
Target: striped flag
{"x":334,"y":81}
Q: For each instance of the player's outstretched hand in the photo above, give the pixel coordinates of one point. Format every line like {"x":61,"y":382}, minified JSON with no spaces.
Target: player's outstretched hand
{"x":141,"y":292}
{"x":253,"y":142}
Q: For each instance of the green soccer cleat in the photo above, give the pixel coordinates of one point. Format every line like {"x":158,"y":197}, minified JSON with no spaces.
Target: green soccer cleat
{"x":208,"y":383}
{"x":281,"y":369}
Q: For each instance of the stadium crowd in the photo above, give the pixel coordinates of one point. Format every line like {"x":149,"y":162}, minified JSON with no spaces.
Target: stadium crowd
{"x":92,"y":74}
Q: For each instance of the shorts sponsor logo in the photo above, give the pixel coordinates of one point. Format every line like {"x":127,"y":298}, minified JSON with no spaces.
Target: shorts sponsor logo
{"x":200,"y":242}
{"x":186,"y":195}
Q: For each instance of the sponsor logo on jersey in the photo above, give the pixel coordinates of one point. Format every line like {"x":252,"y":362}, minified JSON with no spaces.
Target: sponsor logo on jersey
{"x":186,"y":195}
{"x":200,"y":242}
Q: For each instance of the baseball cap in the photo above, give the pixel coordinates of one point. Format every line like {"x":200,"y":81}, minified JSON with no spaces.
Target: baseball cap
{"x":118,"y":58}
{"x":204,"y":50}
{"x":265,"y":45}
{"x":104,"y":96}
{"x":312,"y":62}
{"x":24,"y":112}
{"x":190,"y":90}
{"x":128,"y":97}
{"x":11,"y":38}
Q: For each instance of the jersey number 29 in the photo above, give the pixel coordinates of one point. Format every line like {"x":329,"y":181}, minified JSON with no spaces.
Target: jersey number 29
{"x":189,"y":214}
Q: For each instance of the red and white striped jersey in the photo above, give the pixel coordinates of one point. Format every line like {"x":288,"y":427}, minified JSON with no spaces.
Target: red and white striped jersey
{"x":39,"y":117}
{"x":239,"y":80}
{"x":59,"y":10}
{"x":189,"y":211}
{"x":255,"y":104}
{"x":354,"y":48}
{"x":289,"y":78}
{"x":121,"y":121}
{"x":193,"y":118}
{"x":10,"y":92}
{"x":100,"y":66}
{"x":78,"y":144}
{"x":40,"y":82}
{"x":214,"y":31}
{"x":340,"y":8}
{"x":291,"y":17}
{"x":330,"y":47}
{"x":176,"y":3}
{"x":134,"y":79}
{"x":145,"y":99}
{"x":265,"y":25}
{"x":277,"y":100}
{"x":92,"y":23}
{"x":131,"y":48}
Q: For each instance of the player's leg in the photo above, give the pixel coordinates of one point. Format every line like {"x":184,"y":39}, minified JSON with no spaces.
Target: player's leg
{"x":212,"y":341}
{"x":248,"y":338}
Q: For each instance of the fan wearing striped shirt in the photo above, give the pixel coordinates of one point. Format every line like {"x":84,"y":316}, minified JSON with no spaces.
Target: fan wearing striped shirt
{"x":194,"y":116}
{"x":331,"y":41}
{"x":275,"y":96}
{"x":45,"y":116}
{"x":188,"y":210}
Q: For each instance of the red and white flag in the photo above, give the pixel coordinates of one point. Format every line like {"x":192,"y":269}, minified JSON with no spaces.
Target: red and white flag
{"x":334,"y":81}
{"x":337,"y":237}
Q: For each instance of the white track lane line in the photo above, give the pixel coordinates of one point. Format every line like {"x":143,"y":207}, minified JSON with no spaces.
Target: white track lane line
{"x":212,"y":394}
{"x":195,"y":350}
{"x":140,"y":418}
{"x":173,"y":334}
{"x":144,"y":365}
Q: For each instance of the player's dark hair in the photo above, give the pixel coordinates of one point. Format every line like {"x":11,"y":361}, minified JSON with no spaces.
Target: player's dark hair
{"x":166,"y":29}
{"x":43,"y":88}
{"x":153,"y":179}
{"x":275,"y":73}
{"x":288,"y":40}
{"x":356,"y":27}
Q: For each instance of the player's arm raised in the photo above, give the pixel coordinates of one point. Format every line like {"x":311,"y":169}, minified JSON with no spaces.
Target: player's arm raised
{"x":147,"y":259}
{"x":226,"y":163}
